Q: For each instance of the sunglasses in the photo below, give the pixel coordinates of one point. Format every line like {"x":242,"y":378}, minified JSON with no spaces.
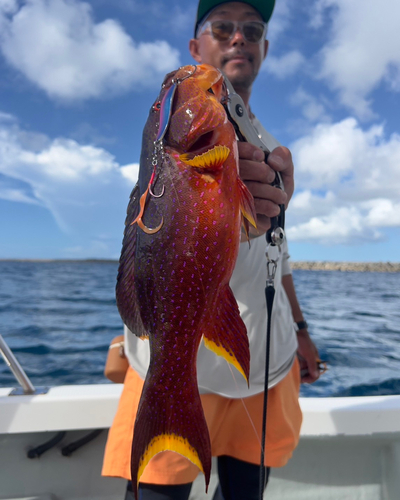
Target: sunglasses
{"x":223,"y":31}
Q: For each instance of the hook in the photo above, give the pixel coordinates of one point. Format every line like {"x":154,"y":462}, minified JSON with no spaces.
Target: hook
{"x":156,"y":195}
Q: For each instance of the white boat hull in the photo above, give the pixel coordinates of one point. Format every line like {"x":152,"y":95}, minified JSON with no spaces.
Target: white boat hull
{"x":349,"y":448}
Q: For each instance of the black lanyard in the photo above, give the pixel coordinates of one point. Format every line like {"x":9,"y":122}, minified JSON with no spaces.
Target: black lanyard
{"x":275,"y":237}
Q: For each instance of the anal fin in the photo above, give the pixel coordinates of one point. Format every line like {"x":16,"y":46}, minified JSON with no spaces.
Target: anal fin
{"x":227,"y":337}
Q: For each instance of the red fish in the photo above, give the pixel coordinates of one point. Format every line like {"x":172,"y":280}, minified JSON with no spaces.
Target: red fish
{"x":179,"y":250}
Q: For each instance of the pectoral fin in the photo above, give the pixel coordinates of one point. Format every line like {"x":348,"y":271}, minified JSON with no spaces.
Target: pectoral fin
{"x":246,"y":203}
{"x":246,"y":206}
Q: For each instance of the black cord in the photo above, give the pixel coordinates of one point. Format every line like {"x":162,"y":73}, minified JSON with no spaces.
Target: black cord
{"x":71,"y":447}
{"x":269,"y":297}
{"x":39,"y":450}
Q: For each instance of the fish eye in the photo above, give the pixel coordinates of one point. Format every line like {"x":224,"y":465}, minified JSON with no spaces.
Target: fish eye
{"x":157,"y":106}
{"x":211,"y":91}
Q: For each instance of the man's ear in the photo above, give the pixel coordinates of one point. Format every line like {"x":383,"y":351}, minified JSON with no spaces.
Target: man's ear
{"x":266,"y":45}
{"x":194,"y":49}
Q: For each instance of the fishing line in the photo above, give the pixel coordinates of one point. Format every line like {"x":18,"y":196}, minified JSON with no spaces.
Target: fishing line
{"x":244,"y":405}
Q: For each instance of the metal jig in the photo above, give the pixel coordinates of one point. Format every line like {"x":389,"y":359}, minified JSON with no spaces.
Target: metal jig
{"x":165,"y":109}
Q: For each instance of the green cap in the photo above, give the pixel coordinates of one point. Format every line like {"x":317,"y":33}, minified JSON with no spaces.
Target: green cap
{"x":264,"y":7}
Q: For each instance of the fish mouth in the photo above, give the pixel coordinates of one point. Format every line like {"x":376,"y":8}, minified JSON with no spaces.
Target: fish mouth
{"x":204,"y":143}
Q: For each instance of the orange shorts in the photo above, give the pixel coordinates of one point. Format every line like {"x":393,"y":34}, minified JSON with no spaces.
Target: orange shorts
{"x":234,"y":426}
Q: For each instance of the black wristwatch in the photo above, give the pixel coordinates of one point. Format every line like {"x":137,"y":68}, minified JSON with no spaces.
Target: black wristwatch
{"x":301,"y":325}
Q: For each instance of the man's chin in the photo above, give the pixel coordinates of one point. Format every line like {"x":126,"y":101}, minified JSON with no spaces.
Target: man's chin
{"x":239,"y":75}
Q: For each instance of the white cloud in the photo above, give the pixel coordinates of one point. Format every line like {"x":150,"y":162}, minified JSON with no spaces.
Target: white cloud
{"x":5,"y":117}
{"x":8,"y":6}
{"x":131,"y":172}
{"x":304,"y":203}
{"x":284,"y":66}
{"x":281,"y":19}
{"x":383,"y":212}
{"x":313,"y":109}
{"x":57,"y":45}
{"x":82,"y":186}
{"x":348,"y":182}
{"x":363,"y":50}
{"x":343,"y":154}
{"x":17,"y":195}
{"x":344,"y":225}
{"x":65,"y":160}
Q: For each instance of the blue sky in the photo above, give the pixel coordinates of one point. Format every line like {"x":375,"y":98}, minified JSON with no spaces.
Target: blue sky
{"x":78,"y":79}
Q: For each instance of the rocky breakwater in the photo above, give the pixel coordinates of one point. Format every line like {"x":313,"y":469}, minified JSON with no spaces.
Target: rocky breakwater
{"x":376,"y":267}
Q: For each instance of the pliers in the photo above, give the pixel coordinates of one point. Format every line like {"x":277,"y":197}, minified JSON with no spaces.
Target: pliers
{"x":246,"y":132}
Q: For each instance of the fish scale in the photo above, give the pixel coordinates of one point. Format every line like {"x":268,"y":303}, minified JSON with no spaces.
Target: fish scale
{"x":179,"y":252}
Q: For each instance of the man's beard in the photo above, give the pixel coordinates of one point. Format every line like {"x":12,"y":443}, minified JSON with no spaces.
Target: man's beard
{"x":239,"y":79}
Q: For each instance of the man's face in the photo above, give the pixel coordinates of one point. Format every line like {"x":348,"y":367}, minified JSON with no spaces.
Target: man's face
{"x":239,"y":59}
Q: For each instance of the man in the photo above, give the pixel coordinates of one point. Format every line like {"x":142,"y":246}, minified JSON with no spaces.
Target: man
{"x":231,"y":36}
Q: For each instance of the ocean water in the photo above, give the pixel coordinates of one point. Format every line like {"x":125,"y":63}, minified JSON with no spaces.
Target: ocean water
{"x":58,"y":318}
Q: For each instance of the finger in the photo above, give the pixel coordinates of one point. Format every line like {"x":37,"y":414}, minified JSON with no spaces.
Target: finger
{"x":266,"y":208}
{"x":308,"y":375}
{"x":256,"y":171}
{"x":248,"y":151}
{"x":309,"y":379}
{"x":280,"y":159}
{"x":312,"y":369}
{"x":266,"y":192}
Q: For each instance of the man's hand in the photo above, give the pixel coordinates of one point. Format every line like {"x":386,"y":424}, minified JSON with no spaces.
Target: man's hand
{"x":258,"y":176}
{"x":308,"y":355}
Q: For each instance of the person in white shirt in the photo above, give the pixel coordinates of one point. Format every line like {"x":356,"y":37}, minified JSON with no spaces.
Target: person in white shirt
{"x":231,"y":37}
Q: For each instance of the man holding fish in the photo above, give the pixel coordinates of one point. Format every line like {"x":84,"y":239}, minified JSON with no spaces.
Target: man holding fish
{"x":231,"y":37}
